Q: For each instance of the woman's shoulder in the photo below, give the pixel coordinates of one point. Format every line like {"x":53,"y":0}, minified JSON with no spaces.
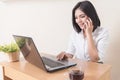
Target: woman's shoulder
{"x":73,"y":32}
{"x":101,"y":30}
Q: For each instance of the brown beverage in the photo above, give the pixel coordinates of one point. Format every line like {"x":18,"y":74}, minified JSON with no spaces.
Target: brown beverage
{"x":76,"y":75}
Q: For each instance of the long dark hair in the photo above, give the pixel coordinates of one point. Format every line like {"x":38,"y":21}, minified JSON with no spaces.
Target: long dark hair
{"x":89,"y":10}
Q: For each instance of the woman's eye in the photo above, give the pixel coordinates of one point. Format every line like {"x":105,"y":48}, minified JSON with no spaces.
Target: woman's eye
{"x":82,"y":16}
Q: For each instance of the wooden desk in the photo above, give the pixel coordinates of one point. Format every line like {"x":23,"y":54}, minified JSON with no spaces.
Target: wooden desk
{"x":25,"y":71}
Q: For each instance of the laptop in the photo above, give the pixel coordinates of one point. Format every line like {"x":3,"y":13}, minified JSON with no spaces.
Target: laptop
{"x":31,"y":54}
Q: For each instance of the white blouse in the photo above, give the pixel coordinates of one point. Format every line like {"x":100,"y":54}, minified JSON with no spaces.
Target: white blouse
{"x":78,"y":44}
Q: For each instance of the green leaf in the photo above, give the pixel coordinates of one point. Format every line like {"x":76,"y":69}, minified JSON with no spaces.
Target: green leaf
{"x":9,"y":48}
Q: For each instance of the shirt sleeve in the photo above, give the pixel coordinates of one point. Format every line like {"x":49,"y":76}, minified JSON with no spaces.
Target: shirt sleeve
{"x":102,"y":44}
{"x":71,"y":47}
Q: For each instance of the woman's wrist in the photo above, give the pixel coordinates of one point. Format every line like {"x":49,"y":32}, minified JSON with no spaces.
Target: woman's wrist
{"x":89,"y":35}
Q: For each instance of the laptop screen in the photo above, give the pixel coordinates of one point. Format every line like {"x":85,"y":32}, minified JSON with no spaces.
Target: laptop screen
{"x":29,"y":50}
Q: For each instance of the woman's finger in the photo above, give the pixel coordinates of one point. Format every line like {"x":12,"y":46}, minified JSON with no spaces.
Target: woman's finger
{"x":61,"y":56}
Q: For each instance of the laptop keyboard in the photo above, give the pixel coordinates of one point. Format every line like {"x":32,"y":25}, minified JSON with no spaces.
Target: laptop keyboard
{"x":51,"y":63}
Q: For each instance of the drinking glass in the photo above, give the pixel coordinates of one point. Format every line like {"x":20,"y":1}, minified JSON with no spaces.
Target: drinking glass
{"x":76,"y":72}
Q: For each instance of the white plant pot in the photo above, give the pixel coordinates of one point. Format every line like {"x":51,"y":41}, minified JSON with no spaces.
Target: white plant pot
{"x":14,"y":56}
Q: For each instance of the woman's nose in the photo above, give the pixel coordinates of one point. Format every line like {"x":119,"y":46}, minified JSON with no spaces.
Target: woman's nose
{"x":79,"y":20}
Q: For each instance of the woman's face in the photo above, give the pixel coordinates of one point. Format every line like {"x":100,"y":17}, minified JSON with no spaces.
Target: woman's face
{"x":80,"y":18}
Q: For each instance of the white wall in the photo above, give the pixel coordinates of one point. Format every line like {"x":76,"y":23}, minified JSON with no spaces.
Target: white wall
{"x":110,"y":15}
{"x":49,"y":23}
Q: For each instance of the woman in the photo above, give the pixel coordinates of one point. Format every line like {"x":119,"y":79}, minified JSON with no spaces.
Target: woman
{"x":88,"y":40}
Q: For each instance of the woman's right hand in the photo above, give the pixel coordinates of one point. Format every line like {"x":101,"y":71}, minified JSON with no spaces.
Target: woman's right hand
{"x":64,"y":56}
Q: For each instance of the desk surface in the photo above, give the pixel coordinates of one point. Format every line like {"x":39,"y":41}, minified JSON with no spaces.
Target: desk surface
{"x":23,"y":70}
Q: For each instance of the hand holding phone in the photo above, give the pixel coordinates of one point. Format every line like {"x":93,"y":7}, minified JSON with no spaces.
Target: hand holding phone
{"x":88,"y":26}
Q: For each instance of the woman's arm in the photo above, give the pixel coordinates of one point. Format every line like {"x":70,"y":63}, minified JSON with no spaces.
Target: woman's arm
{"x":92,"y":49}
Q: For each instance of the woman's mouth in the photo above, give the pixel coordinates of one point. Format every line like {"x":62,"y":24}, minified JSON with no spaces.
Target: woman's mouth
{"x":81,"y":25}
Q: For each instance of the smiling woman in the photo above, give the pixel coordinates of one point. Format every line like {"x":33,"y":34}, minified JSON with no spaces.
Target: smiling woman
{"x":88,"y":40}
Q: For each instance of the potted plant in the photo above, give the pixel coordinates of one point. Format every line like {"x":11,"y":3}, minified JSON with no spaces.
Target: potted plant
{"x":12,"y":50}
